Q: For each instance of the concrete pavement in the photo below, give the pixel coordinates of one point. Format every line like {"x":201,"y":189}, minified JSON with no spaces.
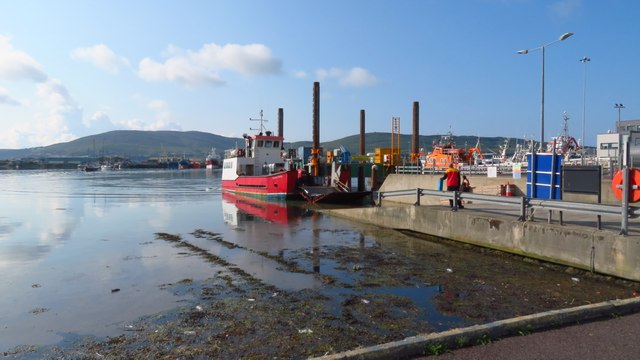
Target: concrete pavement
{"x":611,"y":339}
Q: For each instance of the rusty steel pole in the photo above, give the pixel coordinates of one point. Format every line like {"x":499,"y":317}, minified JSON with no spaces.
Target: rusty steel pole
{"x":415,"y":138}
{"x":362,"y":152}
{"x":316,"y":128}
{"x":280,"y":126}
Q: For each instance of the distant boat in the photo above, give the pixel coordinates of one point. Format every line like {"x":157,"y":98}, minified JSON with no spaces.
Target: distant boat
{"x":88,"y":167}
{"x":213,"y":160}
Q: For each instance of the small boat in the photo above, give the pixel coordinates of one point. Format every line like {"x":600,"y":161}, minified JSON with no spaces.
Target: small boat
{"x":213,"y":160}
{"x":88,"y":167}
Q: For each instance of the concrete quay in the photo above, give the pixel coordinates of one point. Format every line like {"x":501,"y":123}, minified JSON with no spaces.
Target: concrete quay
{"x":596,"y":331}
{"x":576,"y":243}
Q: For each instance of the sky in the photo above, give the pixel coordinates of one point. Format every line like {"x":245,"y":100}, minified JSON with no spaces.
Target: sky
{"x":74,"y":68}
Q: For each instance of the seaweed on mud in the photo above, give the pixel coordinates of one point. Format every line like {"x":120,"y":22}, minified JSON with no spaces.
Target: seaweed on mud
{"x":178,"y":241}
{"x":233,"y":315}
{"x":289,"y":266}
{"x":199,"y":233}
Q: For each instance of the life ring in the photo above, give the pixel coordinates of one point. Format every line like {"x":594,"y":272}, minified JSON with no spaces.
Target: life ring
{"x":634,"y":179}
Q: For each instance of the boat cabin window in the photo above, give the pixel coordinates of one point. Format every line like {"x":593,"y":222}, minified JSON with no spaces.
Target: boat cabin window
{"x":276,"y":144}
{"x":259,"y":143}
{"x":267,"y":143}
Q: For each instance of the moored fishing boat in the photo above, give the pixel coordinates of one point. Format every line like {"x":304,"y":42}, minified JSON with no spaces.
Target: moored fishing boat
{"x":213,"y":160}
{"x":263,"y":168}
{"x":259,"y":168}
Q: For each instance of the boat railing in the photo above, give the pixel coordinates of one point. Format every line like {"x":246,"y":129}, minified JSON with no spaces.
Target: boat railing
{"x":526,"y":206}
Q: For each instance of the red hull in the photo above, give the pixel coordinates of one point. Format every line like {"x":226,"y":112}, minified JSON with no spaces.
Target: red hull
{"x":274,"y":212}
{"x":283,"y":185}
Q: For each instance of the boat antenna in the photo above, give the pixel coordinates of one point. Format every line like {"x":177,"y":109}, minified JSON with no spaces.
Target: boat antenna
{"x":262,"y":127}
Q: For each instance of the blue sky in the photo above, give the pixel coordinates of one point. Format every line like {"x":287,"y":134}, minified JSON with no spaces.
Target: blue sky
{"x":74,"y":68}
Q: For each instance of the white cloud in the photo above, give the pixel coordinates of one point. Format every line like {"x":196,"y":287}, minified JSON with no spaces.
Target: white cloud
{"x":63,"y":117}
{"x":102,"y":57}
{"x":354,"y":77}
{"x":203,"y":67}
{"x":56,"y":116}
{"x":179,"y":70}
{"x":162,"y":119}
{"x":565,"y":8}
{"x":18,"y":65}
{"x":299,"y":74}
{"x":5,"y":98}
{"x":99,"y":122}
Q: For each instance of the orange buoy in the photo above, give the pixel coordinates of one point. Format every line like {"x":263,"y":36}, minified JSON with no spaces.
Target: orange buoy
{"x":634,"y":179}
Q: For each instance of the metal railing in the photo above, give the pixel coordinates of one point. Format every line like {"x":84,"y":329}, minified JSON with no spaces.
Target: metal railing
{"x":527,"y":206}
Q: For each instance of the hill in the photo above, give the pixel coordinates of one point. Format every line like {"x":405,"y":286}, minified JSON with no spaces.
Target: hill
{"x":137,"y":145}
{"x":131,"y":144}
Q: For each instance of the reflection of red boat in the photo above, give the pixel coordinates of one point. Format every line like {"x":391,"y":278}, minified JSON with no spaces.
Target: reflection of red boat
{"x":272,"y":211}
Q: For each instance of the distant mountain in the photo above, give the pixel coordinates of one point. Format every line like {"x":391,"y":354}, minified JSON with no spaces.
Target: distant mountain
{"x":137,"y":145}
{"x":131,"y":144}
{"x":383,"y":140}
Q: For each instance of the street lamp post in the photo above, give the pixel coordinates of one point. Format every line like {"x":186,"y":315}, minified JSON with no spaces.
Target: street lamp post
{"x":584,"y":60}
{"x":620,"y":149}
{"x":561,"y":38}
{"x":619,"y":107}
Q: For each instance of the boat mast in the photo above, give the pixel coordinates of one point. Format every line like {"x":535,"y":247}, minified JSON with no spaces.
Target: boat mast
{"x":262,"y":127}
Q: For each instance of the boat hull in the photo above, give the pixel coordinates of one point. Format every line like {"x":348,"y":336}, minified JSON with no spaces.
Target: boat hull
{"x":281,"y":185}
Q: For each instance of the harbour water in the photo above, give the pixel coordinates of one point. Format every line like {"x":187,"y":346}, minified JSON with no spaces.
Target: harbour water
{"x":80,"y":256}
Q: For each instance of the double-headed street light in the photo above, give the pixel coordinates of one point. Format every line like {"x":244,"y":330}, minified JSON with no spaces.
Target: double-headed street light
{"x":561,"y":38}
{"x":619,"y":107}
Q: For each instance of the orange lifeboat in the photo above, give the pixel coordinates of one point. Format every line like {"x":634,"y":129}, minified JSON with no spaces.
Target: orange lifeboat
{"x":445,"y":152}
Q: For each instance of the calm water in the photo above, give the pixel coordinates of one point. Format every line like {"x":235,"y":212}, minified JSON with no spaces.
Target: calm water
{"x":68,"y":239}
{"x":78,"y":255}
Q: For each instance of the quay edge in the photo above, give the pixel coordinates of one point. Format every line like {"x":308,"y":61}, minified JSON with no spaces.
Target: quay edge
{"x":602,"y":251}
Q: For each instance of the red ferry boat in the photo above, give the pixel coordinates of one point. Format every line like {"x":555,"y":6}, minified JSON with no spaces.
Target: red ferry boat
{"x":259,"y":168}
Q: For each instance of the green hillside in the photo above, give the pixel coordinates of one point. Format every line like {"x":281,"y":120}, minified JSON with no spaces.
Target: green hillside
{"x":131,"y":144}
{"x":144,"y":144}
{"x":383,"y":140}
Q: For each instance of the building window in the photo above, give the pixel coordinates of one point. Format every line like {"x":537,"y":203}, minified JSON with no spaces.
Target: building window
{"x":608,"y":146}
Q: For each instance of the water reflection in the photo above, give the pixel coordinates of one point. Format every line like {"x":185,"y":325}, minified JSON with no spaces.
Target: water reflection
{"x":67,"y":238}
{"x":264,"y":232}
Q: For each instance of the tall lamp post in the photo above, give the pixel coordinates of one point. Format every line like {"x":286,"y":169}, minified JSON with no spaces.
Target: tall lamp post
{"x":542,"y":47}
{"x":584,"y":60}
{"x":619,"y":107}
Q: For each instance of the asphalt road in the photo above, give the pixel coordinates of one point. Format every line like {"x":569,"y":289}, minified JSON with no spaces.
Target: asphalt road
{"x":611,"y":339}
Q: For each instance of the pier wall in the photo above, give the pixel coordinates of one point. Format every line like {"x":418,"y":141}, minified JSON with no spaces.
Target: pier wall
{"x":586,"y":248}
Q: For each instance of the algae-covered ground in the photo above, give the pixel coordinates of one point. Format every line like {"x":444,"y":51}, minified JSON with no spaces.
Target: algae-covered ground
{"x":373,"y":286}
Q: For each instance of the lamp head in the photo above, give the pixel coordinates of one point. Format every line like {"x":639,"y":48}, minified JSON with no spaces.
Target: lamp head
{"x":522,"y":51}
{"x":565,"y":36}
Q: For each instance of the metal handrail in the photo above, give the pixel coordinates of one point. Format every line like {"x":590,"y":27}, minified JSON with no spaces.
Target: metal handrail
{"x":523,"y":202}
